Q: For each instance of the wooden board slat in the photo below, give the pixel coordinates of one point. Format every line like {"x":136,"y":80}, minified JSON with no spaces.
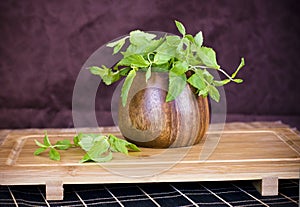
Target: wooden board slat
{"x":253,"y":151}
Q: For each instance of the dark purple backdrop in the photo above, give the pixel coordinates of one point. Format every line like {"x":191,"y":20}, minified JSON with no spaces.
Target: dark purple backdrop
{"x":44,"y":44}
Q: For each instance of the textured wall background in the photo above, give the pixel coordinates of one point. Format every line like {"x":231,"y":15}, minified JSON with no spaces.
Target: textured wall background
{"x":44,"y":44}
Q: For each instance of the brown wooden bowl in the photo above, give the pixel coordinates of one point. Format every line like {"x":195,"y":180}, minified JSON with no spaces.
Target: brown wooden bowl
{"x":148,"y":120}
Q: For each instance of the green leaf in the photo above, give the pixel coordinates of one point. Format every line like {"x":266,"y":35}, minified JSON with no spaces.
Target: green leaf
{"x":39,"y":151}
{"x":54,"y":154}
{"x":172,"y":41}
{"x":140,"y":38}
{"x":208,"y":57}
{"x":143,"y":49}
{"x":176,"y":85}
{"x":189,"y":37}
{"x":222,"y":82}
{"x":196,"y":80}
{"x":148,"y":74}
{"x":208,"y":77}
{"x":106,"y":74}
{"x":117,"y":42}
{"x":166,"y":50}
{"x":103,"y":158}
{"x":180,"y":27}
{"x":180,"y":67}
{"x":87,"y":140}
{"x":99,"y":152}
{"x":77,"y":139}
{"x":204,"y":92}
{"x":237,"y":80}
{"x":40,"y":144}
{"x":161,"y":58}
{"x":126,"y":86}
{"x":133,"y":147}
{"x":117,"y":45}
{"x":134,"y":61}
{"x":46,"y":140}
{"x":85,"y":158}
{"x":214,"y":93}
{"x":63,"y":144}
{"x":199,"y":39}
{"x":120,"y":145}
{"x":124,"y":71}
{"x":242,"y":64}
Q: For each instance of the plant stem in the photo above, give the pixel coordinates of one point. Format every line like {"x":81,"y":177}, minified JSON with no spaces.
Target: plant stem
{"x":219,"y":69}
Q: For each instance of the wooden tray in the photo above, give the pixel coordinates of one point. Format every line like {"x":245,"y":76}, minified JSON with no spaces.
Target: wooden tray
{"x":264,"y":152}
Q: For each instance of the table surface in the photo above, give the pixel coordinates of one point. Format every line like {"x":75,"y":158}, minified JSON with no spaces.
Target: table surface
{"x":230,"y":193}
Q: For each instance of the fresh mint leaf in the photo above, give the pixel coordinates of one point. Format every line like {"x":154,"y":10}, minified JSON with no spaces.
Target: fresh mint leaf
{"x":124,"y":71}
{"x":242,"y":64}
{"x":208,"y":77}
{"x":180,"y":27}
{"x":132,"y":147}
{"x":166,"y":50}
{"x":86,"y":158}
{"x":180,"y":68}
{"x":222,"y":82}
{"x":40,"y":144}
{"x":134,"y":61}
{"x":204,"y":92}
{"x":172,"y":41}
{"x":104,"y":158}
{"x":144,"y":49}
{"x":176,"y":85}
{"x":117,"y":45}
{"x":54,"y":154}
{"x":39,"y":151}
{"x":106,"y":74}
{"x":199,"y":39}
{"x":196,"y":80}
{"x":63,"y":144}
{"x":120,"y":145}
{"x":117,"y":42}
{"x":46,"y":140}
{"x":77,"y":139}
{"x":138,"y":37}
{"x":214,"y":93}
{"x":208,"y":57}
{"x":87,"y":140}
{"x":189,"y":37}
{"x":126,"y":86}
{"x":148,"y":74}
{"x":238,"y":80}
{"x":99,"y":151}
{"x":161,"y":58}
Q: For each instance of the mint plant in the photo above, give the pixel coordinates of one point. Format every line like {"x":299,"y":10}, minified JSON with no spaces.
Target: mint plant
{"x":98,"y":148}
{"x":173,"y":54}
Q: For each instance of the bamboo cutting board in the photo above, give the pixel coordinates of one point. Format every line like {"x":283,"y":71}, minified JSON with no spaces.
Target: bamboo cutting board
{"x":245,"y":151}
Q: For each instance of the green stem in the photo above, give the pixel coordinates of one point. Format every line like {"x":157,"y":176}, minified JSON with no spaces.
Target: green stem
{"x":219,"y":69}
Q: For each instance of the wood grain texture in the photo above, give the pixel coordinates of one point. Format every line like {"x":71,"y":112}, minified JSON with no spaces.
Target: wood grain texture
{"x":149,"y":121}
{"x":255,"y":151}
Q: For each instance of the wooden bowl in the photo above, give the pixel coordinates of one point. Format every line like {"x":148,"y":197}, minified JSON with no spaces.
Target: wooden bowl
{"x":148,"y":120}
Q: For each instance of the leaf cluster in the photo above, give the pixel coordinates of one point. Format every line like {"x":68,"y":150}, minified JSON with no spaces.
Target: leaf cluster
{"x":173,"y":54}
{"x":98,"y":148}
{"x":53,"y":149}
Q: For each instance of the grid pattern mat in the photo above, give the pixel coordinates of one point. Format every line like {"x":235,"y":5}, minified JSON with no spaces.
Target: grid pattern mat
{"x":240,"y":193}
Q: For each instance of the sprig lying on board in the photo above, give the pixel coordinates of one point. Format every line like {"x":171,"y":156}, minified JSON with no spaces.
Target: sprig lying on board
{"x":98,"y":148}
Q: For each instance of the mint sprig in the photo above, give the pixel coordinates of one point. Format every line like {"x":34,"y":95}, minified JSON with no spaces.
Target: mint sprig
{"x":167,"y":54}
{"x":98,"y":148}
{"x":53,"y":153}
